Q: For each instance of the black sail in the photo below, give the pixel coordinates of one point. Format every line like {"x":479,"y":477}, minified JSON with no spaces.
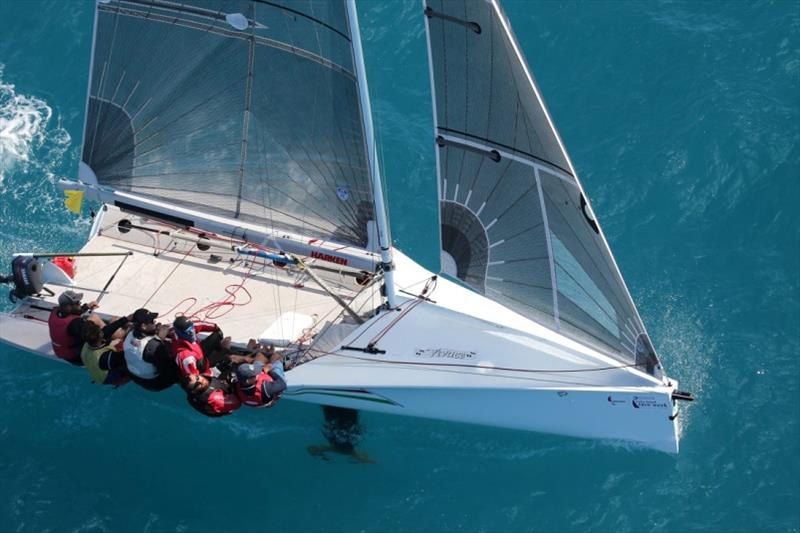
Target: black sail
{"x":515,"y":224}
{"x":244,"y":109}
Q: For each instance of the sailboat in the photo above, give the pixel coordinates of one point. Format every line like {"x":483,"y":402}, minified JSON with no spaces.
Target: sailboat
{"x":230,"y":145}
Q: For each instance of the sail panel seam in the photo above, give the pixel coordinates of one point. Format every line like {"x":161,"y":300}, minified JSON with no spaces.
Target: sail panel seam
{"x":265,"y":41}
{"x":218,"y":15}
{"x":248,"y":92}
{"x":549,"y":249}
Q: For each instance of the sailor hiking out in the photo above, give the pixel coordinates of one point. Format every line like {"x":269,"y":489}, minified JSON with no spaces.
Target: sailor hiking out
{"x":155,"y":356}
{"x":102,"y":355}
{"x":65,"y":323}
{"x":213,"y":397}
{"x":195,"y":357}
{"x":260,"y":378}
{"x":148,"y":354}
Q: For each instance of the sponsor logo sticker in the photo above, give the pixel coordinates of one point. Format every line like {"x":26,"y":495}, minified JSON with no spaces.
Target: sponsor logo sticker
{"x":648,"y":402}
{"x":443,"y":353}
{"x":328,"y":257}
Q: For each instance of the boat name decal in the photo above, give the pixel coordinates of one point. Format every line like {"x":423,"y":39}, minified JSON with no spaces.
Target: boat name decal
{"x":648,"y":402}
{"x":443,"y":353}
{"x":328,"y":257}
{"x":615,"y":401}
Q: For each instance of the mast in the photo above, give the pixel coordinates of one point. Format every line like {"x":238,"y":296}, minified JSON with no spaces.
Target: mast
{"x":384,"y":239}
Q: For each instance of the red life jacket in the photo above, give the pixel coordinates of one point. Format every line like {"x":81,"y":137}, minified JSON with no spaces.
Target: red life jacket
{"x":64,"y":345}
{"x":214,"y":401}
{"x":256,"y":397}
{"x":183,"y":348}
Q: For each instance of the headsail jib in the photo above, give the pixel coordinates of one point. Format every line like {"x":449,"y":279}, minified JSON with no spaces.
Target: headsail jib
{"x":515,"y":224}
{"x":244,"y":110}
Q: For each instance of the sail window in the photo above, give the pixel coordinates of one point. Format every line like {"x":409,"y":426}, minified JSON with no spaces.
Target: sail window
{"x":464,"y":242}
{"x":111,"y":145}
{"x":592,"y":301}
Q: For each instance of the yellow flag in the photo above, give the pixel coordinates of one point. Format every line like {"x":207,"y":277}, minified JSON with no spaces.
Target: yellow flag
{"x":73,"y":201}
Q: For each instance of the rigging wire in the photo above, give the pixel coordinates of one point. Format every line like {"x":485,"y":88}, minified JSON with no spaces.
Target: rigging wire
{"x":169,"y":275}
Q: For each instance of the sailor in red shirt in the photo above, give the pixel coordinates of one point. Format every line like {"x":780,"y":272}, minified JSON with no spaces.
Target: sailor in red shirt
{"x":195,"y":357}
{"x":261,"y":379}
{"x":210,"y":396}
{"x":65,"y":324}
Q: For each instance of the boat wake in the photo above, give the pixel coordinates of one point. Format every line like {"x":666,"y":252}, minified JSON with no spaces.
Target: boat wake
{"x":34,"y":153}
{"x":24,"y":133}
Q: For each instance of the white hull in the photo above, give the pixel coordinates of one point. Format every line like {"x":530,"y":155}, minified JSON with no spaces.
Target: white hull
{"x":449,"y":366}
{"x":570,"y":412}
{"x":459,"y":357}
{"x":588,"y":412}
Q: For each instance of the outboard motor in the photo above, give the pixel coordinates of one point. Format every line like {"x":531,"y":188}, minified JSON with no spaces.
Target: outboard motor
{"x":27,"y":276}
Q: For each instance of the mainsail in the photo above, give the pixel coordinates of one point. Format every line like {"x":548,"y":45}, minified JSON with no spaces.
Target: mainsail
{"x":515,"y":224}
{"x":244,"y":109}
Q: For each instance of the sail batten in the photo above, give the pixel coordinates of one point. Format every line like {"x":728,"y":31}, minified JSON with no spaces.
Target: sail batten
{"x":244,"y":109}
{"x":533,"y":244}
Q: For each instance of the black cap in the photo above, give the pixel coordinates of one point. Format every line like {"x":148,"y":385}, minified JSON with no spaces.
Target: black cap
{"x":143,"y":316}
{"x":248,"y":370}
{"x":70,"y":297}
{"x":182,"y":323}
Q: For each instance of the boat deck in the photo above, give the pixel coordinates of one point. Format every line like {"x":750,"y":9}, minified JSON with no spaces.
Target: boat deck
{"x":169,"y":274}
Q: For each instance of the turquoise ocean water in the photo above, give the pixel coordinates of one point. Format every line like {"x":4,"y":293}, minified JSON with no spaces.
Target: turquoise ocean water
{"x":683,"y":120}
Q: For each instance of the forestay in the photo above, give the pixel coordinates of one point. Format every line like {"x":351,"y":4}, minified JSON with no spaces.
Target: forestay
{"x":243,"y":109}
{"x":515,"y":224}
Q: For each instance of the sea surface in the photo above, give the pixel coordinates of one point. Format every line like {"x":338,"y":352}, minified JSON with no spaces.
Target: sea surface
{"x":683,"y":121}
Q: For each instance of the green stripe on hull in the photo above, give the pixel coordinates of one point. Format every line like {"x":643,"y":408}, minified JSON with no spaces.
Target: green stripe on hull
{"x":345,"y":394}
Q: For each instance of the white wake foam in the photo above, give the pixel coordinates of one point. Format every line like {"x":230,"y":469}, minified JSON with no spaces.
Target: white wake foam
{"x":25,"y":131}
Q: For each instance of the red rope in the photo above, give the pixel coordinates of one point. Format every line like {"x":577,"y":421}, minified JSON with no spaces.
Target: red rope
{"x":211,"y":312}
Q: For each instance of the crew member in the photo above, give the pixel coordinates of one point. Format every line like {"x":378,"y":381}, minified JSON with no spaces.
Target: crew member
{"x":193,"y":357}
{"x":103,"y":356}
{"x":147,"y":353}
{"x":261,"y":381}
{"x":66,"y":322}
{"x":210,"y":396}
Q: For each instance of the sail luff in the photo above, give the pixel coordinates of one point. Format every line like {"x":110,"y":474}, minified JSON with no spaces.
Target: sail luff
{"x":439,"y":196}
{"x":515,"y":45}
{"x":381,"y":218}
